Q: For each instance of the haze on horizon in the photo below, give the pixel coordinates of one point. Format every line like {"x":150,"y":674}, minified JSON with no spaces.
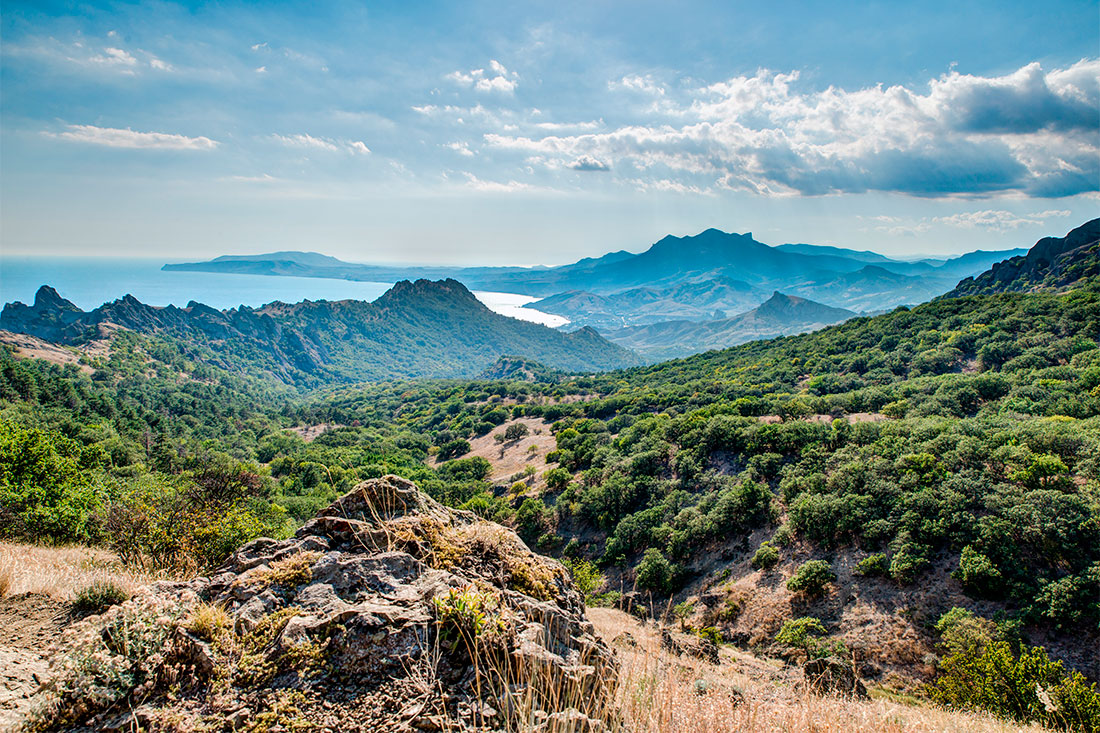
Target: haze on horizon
{"x":539,"y":133}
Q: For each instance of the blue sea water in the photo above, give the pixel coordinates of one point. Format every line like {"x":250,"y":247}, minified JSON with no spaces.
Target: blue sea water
{"x":89,"y":282}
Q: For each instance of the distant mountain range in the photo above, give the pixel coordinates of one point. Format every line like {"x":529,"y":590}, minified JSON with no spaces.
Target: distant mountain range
{"x":780,"y":315}
{"x":748,"y":270}
{"x":1054,"y":263}
{"x":415,"y":329}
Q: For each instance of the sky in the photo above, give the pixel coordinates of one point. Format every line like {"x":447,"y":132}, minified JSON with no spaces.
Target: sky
{"x":541,"y":132}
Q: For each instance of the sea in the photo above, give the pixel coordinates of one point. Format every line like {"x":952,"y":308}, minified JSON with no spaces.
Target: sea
{"x":92,"y":281}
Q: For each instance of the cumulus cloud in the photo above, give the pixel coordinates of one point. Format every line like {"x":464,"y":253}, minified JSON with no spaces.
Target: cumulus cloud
{"x":1032,"y":131}
{"x":588,"y":163}
{"x":118,"y":138}
{"x":497,"y":79}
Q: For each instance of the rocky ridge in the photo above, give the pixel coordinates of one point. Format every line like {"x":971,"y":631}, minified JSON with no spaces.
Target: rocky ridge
{"x":386,"y":612}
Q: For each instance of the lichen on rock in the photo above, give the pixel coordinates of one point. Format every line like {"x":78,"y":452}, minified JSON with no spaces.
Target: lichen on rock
{"x":387,"y":611}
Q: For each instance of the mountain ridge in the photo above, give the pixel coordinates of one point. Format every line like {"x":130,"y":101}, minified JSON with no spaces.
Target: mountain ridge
{"x":416,"y":329}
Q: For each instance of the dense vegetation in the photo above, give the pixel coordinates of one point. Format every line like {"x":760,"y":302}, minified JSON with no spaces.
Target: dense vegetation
{"x":973,"y":445}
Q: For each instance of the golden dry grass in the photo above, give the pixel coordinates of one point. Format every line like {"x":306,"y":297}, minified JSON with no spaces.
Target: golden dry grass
{"x":662,"y":693}
{"x":61,"y":571}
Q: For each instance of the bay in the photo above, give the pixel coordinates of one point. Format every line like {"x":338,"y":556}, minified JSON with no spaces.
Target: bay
{"x":92,"y":281}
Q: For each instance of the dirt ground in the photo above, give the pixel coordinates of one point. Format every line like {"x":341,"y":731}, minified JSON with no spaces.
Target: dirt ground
{"x":29,"y":347}
{"x":509,"y":459}
{"x":29,"y":624}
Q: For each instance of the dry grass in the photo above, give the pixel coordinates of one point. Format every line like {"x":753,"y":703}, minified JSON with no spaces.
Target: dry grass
{"x":60,"y":572}
{"x":662,"y":693}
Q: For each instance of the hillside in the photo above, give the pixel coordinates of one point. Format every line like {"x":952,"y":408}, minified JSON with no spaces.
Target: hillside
{"x":1054,"y":263}
{"x":780,"y":315}
{"x":883,"y":492}
{"x":420,"y":329}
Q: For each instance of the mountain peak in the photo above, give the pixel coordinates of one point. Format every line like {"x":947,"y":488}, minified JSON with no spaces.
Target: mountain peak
{"x":49,"y":299}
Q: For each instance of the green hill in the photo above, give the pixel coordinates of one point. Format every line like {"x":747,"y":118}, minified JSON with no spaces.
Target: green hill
{"x":421,"y":329}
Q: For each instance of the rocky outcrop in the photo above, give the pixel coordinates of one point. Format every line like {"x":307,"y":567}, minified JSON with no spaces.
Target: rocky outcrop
{"x":1054,"y":263}
{"x":386,"y":612}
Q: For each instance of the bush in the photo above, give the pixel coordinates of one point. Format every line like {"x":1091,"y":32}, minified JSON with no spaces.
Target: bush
{"x":875,"y":565}
{"x":98,"y":597}
{"x":515,"y":431}
{"x":811,"y":578}
{"x":585,"y":576}
{"x":806,"y":635}
{"x":978,"y":574}
{"x":1029,"y":687}
{"x":655,"y":572}
{"x":766,"y":556}
{"x":453,"y":449}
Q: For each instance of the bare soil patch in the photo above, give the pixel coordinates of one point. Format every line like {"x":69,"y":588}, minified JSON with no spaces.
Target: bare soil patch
{"x":509,"y":459}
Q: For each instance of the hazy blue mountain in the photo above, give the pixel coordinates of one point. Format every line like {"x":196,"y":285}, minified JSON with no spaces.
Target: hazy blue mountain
{"x":696,"y":301}
{"x":809,"y":270}
{"x":415,"y":329}
{"x":821,"y":249}
{"x":780,"y":315}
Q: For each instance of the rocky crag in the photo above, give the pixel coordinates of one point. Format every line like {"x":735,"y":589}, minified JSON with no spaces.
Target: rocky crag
{"x":386,"y":612}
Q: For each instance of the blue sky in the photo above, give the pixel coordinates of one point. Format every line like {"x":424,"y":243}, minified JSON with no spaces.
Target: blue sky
{"x":524,"y":133}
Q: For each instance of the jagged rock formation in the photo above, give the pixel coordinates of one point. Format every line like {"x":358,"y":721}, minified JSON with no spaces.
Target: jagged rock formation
{"x":1054,"y":263}
{"x":386,"y":612}
{"x":415,"y":329}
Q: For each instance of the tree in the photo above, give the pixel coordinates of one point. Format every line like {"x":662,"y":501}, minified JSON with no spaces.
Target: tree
{"x":655,"y":572}
{"x":515,"y":431}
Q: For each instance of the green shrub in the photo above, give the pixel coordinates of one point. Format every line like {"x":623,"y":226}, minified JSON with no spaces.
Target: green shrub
{"x":1028,"y":687}
{"x":766,"y":556}
{"x":801,"y":634}
{"x":98,"y":597}
{"x":586,"y":576}
{"x":811,"y":578}
{"x":978,"y":574}
{"x":655,"y":572}
{"x":875,"y":565}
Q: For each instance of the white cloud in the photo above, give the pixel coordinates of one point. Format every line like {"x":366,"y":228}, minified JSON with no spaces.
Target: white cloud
{"x":477,"y":184}
{"x":638,"y":83}
{"x":115,"y":57}
{"x":159,"y":65}
{"x":499,"y":79}
{"x":309,"y":142}
{"x":1030,"y":132}
{"x":127,"y":138}
{"x":461,"y":148}
{"x":261,"y":69}
{"x":588,"y":163}
{"x":997,"y":220}
{"x":259,"y":46}
{"x":306,"y":141}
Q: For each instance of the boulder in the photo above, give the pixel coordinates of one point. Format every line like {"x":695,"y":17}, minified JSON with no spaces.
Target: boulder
{"x":388,"y":611}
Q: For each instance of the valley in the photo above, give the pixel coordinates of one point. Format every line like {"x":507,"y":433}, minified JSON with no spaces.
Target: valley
{"x":868,"y":496}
